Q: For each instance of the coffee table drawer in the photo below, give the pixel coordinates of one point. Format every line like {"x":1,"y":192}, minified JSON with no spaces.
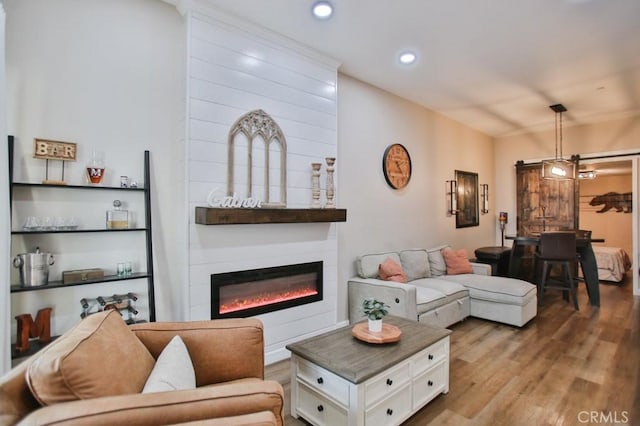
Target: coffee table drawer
{"x":324,"y":381}
{"x":430,"y":384}
{"x":317,"y":409}
{"x":431,"y":356}
{"x":386,"y":383}
{"x":391,"y":411}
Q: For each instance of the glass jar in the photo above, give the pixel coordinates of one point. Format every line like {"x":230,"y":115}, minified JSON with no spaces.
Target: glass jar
{"x":118,"y":218}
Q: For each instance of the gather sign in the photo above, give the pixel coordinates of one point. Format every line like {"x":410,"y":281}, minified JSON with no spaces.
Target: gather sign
{"x":232,"y":201}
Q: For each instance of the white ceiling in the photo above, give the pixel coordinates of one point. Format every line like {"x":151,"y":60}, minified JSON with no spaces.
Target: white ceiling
{"x":494,"y":65}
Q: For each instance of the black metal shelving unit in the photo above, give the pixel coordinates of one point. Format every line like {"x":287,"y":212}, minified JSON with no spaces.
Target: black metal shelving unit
{"x":147,"y":229}
{"x":60,"y":284}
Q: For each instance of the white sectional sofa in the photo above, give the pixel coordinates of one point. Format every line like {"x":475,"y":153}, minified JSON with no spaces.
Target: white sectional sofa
{"x":435,"y":298}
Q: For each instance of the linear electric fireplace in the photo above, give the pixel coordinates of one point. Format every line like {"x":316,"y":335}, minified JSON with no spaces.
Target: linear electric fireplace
{"x":258,"y":291}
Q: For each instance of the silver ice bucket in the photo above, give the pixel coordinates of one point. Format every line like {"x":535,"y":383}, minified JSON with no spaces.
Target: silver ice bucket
{"x":34,"y":267}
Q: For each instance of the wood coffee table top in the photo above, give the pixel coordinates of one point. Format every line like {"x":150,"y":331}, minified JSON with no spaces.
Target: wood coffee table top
{"x":356,"y":361}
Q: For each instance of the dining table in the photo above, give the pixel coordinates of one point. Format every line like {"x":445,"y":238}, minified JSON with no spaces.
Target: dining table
{"x":584,"y":249}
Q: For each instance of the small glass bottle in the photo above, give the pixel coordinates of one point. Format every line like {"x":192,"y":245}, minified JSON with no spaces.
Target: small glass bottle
{"x":117,"y":218}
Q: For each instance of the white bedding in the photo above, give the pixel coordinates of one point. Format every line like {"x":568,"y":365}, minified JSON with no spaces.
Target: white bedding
{"x":612,"y":262}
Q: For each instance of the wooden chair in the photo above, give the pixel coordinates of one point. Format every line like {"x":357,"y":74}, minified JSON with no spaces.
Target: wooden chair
{"x":558,"y":248}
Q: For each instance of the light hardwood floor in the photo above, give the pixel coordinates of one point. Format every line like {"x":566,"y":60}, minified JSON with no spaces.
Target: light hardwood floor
{"x":563,"y":368}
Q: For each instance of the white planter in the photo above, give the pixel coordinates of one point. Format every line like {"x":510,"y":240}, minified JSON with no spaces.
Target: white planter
{"x":375,"y":326}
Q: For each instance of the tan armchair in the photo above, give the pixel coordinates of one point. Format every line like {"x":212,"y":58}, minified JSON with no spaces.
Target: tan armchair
{"x":227,"y":356}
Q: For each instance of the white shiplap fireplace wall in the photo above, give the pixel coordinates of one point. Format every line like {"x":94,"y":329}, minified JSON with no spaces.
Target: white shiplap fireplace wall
{"x":234,"y":67}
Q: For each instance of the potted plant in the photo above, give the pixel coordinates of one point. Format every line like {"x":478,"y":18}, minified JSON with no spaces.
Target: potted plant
{"x":374,"y":310}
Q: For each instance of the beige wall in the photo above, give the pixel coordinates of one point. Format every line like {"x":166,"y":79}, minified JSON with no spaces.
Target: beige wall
{"x":613,"y":136}
{"x":615,"y":227}
{"x":380,"y":218}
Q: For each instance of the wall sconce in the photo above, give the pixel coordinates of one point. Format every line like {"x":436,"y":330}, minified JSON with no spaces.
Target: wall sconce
{"x":484,"y":196}
{"x":452,"y":197}
{"x":587,"y":174}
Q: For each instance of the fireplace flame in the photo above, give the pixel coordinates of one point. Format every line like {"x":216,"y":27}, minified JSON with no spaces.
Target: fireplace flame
{"x":264,"y":299}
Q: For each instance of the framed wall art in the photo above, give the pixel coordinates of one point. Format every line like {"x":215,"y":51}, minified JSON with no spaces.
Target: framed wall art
{"x":467,"y":199}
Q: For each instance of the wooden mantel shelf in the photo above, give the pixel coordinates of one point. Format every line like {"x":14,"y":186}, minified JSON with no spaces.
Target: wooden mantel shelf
{"x":228,"y":216}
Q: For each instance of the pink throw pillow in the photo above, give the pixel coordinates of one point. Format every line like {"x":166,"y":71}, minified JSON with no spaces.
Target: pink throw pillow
{"x":390,"y":270}
{"x":457,"y":262}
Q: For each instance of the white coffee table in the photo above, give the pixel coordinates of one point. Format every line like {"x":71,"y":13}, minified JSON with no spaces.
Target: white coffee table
{"x":339,"y":380}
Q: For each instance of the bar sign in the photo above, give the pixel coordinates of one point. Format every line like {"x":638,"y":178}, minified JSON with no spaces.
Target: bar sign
{"x":54,"y":150}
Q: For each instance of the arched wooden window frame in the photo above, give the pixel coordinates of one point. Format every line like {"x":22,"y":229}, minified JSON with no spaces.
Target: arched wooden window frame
{"x":252,"y":125}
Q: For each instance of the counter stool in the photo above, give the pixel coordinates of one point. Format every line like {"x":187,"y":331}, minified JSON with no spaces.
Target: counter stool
{"x":583,"y":234}
{"x":558,"y":248}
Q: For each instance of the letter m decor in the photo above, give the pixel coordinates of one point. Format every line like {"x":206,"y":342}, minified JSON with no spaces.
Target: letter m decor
{"x":257,"y":150}
{"x":27,"y":328}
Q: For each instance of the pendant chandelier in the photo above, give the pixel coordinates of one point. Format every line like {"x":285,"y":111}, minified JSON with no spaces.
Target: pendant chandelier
{"x":558,"y":168}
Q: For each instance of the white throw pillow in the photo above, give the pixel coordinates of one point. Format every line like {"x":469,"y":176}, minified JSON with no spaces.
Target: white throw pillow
{"x":368,"y":264}
{"x":173,"y":369}
{"x":415,"y":263}
{"x":437,"y":265}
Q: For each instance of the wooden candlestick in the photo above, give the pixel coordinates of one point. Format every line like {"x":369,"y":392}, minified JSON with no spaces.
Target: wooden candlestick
{"x":315,"y":185}
{"x":330,"y":187}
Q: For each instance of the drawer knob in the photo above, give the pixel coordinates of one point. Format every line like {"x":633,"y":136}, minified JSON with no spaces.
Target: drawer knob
{"x":320,"y":381}
{"x":389,"y":411}
{"x":320,"y":408}
{"x":430,"y":383}
{"x":397,"y":300}
{"x":389,"y":382}
{"x":430,"y":356}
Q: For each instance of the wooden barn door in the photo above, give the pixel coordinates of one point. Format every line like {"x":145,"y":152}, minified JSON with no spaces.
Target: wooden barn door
{"x":544,"y":204}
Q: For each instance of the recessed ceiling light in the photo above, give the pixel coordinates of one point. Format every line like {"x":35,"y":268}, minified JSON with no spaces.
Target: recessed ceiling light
{"x":322,"y":9}
{"x":407,"y":58}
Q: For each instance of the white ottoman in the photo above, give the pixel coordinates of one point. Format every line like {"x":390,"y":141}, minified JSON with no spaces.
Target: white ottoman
{"x":507,"y":300}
